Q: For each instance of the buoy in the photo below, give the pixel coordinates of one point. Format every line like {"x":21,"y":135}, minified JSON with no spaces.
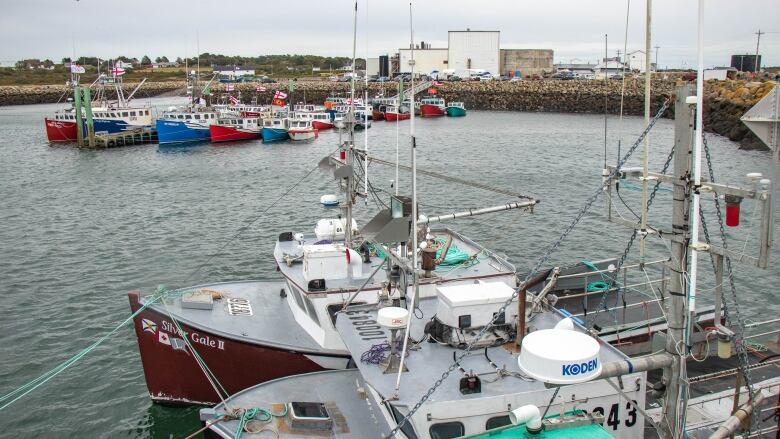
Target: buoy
{"x":329,"y":200}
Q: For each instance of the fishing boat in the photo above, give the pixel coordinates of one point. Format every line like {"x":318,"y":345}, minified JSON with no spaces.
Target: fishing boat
{"x":243,"y":110}
{"x":455,"y":109}
{"x":432,"y":107}
{"x":301,"y":130}
{"x":378,"y":113}
{"x":108,"y":115}
{"x":392,"y":114}
{"x":321,"y":120}
{"x":274,"y":129}
{"x":229,"y":129}
{"x":185,"y":125}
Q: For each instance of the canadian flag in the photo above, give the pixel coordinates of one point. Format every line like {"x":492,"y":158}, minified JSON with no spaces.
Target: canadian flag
{"x":280,"y":95}
{"x":234,"y":100}
{"x":164,"y":338}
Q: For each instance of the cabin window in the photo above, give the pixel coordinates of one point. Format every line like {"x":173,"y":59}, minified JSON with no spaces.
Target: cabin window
{"x":124,"y":114}
{"x":132,"y":113}
{"x":146,"y":112}
{"x":181,"y":116}
{"x":446,"y":430}
{"x":311,"y":310}
{"x":497,"y":421}
{"x":197,"y":116}
{"x":188,"y":117}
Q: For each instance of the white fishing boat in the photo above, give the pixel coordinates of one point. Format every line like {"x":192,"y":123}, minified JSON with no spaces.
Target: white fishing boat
{"x":301,"y":130}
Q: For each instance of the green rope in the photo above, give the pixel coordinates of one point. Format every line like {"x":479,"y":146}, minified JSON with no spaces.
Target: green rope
{"x":454,"y":256}
{"x":265,"y":416}
{"x":30,"y":386}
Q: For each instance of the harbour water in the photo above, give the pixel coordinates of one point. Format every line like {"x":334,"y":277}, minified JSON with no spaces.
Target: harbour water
{"x":80,"y":228}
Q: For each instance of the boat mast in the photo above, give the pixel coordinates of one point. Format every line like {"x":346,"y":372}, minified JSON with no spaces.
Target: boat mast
{"x":648,"y":47}
{"x":416,"y":285}
{"x":350,"y":120}
{"x":365,"y":115}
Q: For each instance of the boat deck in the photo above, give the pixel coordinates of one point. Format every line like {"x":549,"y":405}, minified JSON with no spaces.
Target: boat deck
{"x":427,"y":361}
{"x":483,"y":264}
{"x":269,"y":313}
{"x":353,"y":416}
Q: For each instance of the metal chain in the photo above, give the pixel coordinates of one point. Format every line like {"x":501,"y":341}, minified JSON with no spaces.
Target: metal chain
{"x":543,"y":260}
{"x":739,"y":341}
{"x":602,"y":304}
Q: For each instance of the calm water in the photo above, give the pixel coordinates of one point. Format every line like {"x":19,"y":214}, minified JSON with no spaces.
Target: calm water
{"x":81,"y":228}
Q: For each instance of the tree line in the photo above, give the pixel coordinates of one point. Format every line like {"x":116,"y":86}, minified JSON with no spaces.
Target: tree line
{"x":261,"y":62}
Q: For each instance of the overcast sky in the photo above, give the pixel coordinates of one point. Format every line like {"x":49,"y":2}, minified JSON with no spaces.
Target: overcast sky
{"x":573,"y":29}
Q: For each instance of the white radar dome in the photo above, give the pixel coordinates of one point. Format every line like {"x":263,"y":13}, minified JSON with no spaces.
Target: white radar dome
{"x":329,"y":200}
{"x":393,"y":317}
{"x":560,"y":356}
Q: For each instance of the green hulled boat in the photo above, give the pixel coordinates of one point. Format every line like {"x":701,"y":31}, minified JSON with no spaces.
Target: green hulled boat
{"x":456,"y":109}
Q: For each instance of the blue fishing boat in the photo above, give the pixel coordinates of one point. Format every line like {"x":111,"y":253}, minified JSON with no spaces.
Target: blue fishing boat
{"x":184,"y":126}
{"x":274,"y":130}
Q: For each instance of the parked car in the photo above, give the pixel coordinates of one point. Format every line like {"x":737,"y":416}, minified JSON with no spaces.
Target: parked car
{"x":454,"y":78}
{"x":503,"y":78}
{"x":516,"y":79}
{"x":333,"y":78}
{"x":382,"y":79}
{"x":373,"y":78}
{"x":690,"y":76}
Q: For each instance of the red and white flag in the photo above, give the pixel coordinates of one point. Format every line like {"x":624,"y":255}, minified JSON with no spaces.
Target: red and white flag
{"x":118,"y":71}
{"x":260,"y":88}
{"x":234,"y":100}
{"x":348,"y":101}
{"x":437,"y":83}
{"x":230,"y":87}
{"x":280,"y":95}
{"x":75,"y":68}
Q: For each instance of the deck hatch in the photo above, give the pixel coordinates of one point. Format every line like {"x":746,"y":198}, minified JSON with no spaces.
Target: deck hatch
{"x":238,"y":306}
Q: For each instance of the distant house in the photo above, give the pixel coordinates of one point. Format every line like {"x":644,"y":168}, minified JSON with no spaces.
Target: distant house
{"x":160,"y":65}
{"x":124,"y":65}
{"x":576,"y":66}
{"x":610,"y":66}
{"x":233,"y":71}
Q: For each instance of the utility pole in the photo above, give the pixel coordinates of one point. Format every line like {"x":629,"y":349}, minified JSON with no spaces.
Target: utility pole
{"x":758,"y":41}
{"x":656,"y":57}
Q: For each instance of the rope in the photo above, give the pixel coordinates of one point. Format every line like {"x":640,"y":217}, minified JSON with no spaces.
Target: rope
{"x":32,"y":385}
{"x":22,"y":391}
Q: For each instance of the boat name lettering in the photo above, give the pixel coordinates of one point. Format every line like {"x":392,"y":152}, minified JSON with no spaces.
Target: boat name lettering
{"x":205,"y":340}
{"x":579,"y":368}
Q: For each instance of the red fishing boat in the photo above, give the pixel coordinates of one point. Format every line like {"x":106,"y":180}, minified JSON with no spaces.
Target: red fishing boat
{"x":432,"y":107}
{"x":61,"y":129}
{"x":392,"y":114}
{"x":321,"y":121}
{"x":229,"y":129}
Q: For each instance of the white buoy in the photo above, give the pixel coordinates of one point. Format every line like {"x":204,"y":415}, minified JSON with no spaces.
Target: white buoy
{"x":329,"y":200}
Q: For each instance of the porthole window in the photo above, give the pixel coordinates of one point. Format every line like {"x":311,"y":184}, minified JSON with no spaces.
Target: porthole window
{"x":446,"y":430}
{"x":496,"y":422}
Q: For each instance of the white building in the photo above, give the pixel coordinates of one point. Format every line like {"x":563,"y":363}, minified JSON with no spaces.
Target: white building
{"x":472,"y":50}
{"x":425,"y":60}
{"x":636,"y":61}
{"x":372,"y":66}
{"x":233,"y":71}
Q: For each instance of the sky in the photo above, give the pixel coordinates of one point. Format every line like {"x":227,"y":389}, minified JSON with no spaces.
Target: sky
{"x":574,"y":29}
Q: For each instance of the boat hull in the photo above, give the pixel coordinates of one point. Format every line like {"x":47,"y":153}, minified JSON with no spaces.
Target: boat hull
{"x":428,"y":110}
{"x":275,"y":134}
{"x":179,"y":133}
{"x":60,"y":131}
{"x":377,"y":115}
{"x":392,"y":117}
{"x":221,"y":133}
{"x":302,"y":135}
{"x":456,"y":112}
{"x":320,"y":125}
{"x":174,"y":377}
